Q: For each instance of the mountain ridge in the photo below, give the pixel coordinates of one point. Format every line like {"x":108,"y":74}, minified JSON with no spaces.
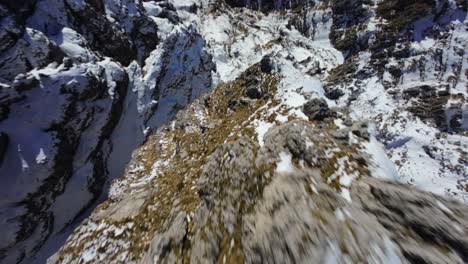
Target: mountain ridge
{"x":175,"y":81}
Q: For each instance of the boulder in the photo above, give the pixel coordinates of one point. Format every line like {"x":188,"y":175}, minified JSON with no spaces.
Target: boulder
{"x":317,"y":110}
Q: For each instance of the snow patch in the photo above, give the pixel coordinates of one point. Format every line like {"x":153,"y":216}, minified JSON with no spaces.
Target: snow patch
{"x":285,"y":164}
{"x":41,"y":157}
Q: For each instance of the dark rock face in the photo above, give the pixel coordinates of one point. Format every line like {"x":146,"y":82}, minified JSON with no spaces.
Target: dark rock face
{"x":268,"y":5}
{"x":24,"y":82}
{"x":22,"y":9}
{"x":32,"y":50}
{"x":334,"y":94}
{"x":102,"y":34}
{"x":348,"y":17}
{"x":266,"y":64}
{"x":3,"y":145}
{"x":74,"y":98}
{"x":10,"y":29}
{"x":254,"y":93}
{"x":317,"y":110}
{"x":428,"y":103}
{"x":126,"y":39}
{"x":83,"y":94}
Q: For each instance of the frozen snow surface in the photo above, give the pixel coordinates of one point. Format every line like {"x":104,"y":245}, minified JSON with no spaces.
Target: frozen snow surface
{"x":84,"y":83}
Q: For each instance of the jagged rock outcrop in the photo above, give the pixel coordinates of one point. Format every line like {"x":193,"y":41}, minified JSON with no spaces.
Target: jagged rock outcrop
{"x":174,"y":167}
{"x":317,"y":109}
{"x":32,"y":50}
{"x":255,"y":209}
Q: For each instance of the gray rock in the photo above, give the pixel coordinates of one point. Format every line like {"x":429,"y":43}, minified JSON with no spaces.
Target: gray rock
{"x":126,"y":208}
{"x":268,"y":5}
{"x":289,"y":225}
{"x":33,"y":50}
{"x":317,"y":110}
{"x":254,"y":92}
{"x":361,"y":129}
{"x":229,"y":184}
{"x":162,"y":248}
{"x":424,"y":225}
{"x":253,"y":213}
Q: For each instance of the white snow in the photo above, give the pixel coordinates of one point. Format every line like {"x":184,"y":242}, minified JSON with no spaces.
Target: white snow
{"x":175,"y":73}
{"x":346,"y":194}
{"x":381,"y":166}
{"x":24,"y":163}
{"x":152,"y":9}
{"x":285,"y":164}
{"x":74,"y":45}
{"x":340,"y":215}
{"x":89,"y":255}
{"x":41,"y":157}
{"x":262,"y":128}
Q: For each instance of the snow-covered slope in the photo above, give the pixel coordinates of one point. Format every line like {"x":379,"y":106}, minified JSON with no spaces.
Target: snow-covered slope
{"x":411,"y":81}
{"x":382,"y":85}
{"x":80,"y":91}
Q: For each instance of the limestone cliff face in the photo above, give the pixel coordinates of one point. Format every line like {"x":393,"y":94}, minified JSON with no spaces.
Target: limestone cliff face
{"x":229,"y":131}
